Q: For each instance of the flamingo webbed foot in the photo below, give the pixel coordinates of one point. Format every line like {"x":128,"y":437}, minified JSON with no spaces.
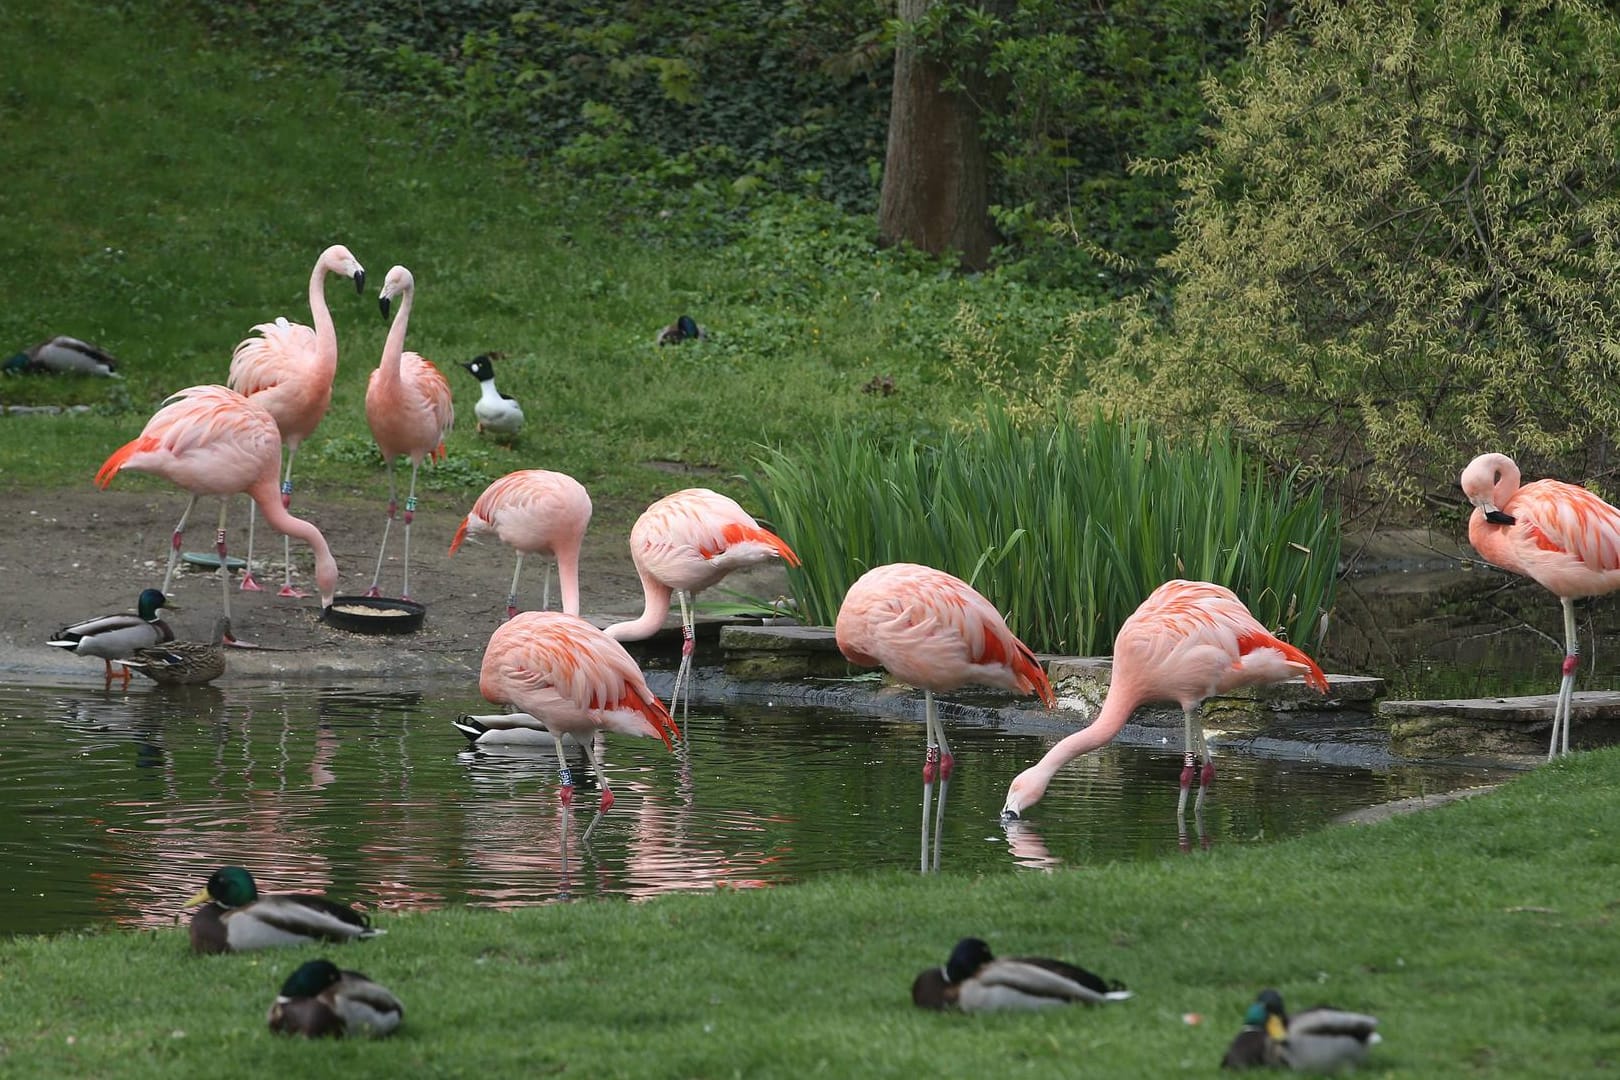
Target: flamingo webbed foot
{"x":248,"y":584}
{"x":291,"y":593}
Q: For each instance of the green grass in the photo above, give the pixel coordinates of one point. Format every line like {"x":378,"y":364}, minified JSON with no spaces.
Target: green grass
{"x":1481,"y":933}
{"x":171,"y":193}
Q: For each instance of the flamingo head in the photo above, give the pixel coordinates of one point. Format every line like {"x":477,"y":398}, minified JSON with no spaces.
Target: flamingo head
{"x":398,"y":283}
{"x":1488,"y":482}
{"x":337,"y":259}
{"x":1025,"y":791}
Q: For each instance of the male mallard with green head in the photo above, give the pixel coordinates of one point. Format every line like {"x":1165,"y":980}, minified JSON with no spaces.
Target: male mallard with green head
{"x":973,"y":980}
{"x":235,"y":918}
{"x":320,"y":999}
{"x":1318,"y":1040}
{"x":115,"y":637}
{"x":682,"y":329}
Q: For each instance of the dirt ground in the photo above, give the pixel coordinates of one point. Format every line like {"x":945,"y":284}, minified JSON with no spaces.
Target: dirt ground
{"x":69,"y":555}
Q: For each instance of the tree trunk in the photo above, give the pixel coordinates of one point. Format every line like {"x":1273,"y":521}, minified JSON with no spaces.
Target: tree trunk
{"x":936,"y":174}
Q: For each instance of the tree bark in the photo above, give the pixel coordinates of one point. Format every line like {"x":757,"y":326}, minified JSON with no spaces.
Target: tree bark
{"x":936,"y":192}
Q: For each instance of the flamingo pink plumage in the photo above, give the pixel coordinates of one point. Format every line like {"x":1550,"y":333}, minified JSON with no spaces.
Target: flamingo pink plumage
{"x":934,"y":631}
{"x":1189,"y":640}
{"x":574,"y":679}
{"x":684,"y":543}
{"x":288,"y":369}
{"x":1560,"y":535}
{"x":409,"y":409}
{"x":535,"y":511}
{"x":210,"y":440}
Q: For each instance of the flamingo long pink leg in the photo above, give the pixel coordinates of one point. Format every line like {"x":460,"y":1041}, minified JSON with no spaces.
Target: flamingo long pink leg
{"x":287,"y":589}
{"x":511,"y":597}
{"x":410,"y":512}
{"x":248,"y":583}
{"x":219,"y":549}
{"x":1566,"y":687}
{"x":683,"y":674}
{"x":174,"y":543}
{"x":947,"y":764}
{"x":594,"y":752}
{"x":393,"y":508}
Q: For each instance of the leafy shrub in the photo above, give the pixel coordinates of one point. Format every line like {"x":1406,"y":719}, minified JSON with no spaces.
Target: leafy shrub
{"x":1066,"y":529}
{"x":1398,"y":248}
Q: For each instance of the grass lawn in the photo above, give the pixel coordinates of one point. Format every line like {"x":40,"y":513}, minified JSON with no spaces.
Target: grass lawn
{"x":171,"y":194}
{"x":1483,"y":934}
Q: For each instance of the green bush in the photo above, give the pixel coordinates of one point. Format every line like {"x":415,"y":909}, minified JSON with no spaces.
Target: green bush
{"x":1398,"y":249}
{"x":1065,"y":529}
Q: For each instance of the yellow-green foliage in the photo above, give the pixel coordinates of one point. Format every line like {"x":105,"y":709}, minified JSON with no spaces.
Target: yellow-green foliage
{"x":1398,"y":247}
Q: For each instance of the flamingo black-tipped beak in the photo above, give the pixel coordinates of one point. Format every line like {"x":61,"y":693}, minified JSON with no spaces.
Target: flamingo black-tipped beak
{"x":1009,"y":815}
{"x":360,"y":282}
{"x":383,"y":302}
{"x":1496,"y":517}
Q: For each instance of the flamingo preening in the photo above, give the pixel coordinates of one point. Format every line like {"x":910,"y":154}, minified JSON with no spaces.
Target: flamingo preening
{"x":1560,"y":535}
{"x":934,"y":631}
{"x":288,"y":369}
{"x":409,"y":409}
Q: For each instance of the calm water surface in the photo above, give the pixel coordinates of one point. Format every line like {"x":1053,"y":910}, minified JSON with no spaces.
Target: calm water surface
{"x":115,"y":806}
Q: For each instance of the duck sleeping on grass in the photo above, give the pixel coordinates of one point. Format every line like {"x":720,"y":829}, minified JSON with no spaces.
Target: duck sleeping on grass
{"x":973,"y":980}
{"x":185,"y":663}
{"x":1318,"y":1040}
{"x":63,"y":355}
{"x":682,"y":329}
{"x":235,"y":918}
{"x":118,"y":637}
{"x":320,"y":999}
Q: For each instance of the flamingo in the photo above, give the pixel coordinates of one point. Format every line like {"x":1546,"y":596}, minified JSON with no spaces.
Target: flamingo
{"x":409,"y":409}
{"x":936,"y":632}
{"x":684,"y":543}
{"x":1188,"y":641}
{"x":1561,"y":535}
{"x":289,"y":369}
{"x":575,"y":680}
{"x":535,"y":512}
{"x":210,"y":440}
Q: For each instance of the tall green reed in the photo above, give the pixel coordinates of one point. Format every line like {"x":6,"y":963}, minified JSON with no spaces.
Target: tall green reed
{"x":1066,"y":529}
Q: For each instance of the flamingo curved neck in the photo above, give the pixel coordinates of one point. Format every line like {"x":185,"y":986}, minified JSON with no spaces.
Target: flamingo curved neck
{"x":325,"y":331}
{"x":652,"y":615}
{"x":267,"y":496}
{"x":394,"y":347}
{"x":1117,"y":708}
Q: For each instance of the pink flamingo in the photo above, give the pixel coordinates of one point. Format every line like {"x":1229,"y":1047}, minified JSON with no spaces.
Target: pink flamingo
{"x":289,"y":369}
{"x":1560,"y":535}
{"x":210,"y":440}
{"x":535,"y":512}
{"x":684,"y":543}
{"x":934,"y":631}
{"x":575,"y":680}
{"x":409,"y":409}
{"x":1188,"y":641}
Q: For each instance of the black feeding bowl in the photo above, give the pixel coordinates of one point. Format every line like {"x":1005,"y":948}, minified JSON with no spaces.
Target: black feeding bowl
{"x":375,"y":615}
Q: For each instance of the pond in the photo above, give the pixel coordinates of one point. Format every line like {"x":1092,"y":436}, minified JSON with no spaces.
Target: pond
{"x":117,"y":805}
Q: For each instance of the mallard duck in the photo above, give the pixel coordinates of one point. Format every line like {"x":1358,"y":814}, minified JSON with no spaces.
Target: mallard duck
{"x":682,"y":329}
{"x":973,"y":980}
{"x":319,"y":999}
{"x":496,"y":412}
{"x":63,"y":355}
{"x":235,"y":918}
{"x":185,"y":663}
{"x":1319,"y":1040}
{"x":117,"y":637}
